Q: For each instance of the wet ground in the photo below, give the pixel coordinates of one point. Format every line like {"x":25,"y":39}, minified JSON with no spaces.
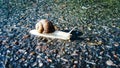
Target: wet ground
{"x":94,"y":44}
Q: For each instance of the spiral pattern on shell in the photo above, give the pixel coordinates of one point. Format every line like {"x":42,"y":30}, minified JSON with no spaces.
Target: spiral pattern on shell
{"x":45,"y":26}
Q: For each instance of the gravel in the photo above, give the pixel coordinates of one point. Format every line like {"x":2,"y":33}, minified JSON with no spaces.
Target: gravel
{"x":94,"y":44}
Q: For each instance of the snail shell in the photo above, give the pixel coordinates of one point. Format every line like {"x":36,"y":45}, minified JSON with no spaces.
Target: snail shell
{"x":45,"y":26}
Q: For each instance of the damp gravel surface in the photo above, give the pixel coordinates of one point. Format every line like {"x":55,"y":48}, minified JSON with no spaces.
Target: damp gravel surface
{"x":95,"y":43}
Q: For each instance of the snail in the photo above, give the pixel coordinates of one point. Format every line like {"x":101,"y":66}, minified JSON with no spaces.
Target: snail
{"x":45,"y":28}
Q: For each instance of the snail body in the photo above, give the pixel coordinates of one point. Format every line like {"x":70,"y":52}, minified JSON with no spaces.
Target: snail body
{"x":45,"y":28}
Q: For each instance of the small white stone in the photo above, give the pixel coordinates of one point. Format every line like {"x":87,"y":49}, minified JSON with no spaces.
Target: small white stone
{"x":40,"y":64}
{"x":109,"y":62}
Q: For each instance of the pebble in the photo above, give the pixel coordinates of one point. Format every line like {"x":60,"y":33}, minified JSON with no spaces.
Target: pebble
{"x":75,"y":62}
{"x":116,"y":44}
{"x":26,"y":36}
{"x":110,"y":62}
{"x":63,"y":59}
{"x":22,"y":50}
{"x":90,"y":62}
{"x":40,"y":64}
{"x":74,"y":54}
{"x":34,"y":64}
{"x":49,"y":60}
{"x":32,"y":53}
{"x":16,"y":43}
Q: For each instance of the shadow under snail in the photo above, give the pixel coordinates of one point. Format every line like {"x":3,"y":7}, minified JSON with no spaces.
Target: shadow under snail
{"x":45,"y":28}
